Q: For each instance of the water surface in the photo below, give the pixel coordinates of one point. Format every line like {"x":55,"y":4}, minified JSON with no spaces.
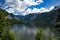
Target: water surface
{"x":25,"y":32}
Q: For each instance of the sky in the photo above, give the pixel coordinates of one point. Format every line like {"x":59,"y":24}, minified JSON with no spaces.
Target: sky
{"x":24,"y":7}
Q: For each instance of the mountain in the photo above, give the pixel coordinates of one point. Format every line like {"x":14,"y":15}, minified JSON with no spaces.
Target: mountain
{"x":40,"y":19}
{"x":19,"y":17}
{"x":47,"y":18}
{"x":31,"y":16}
{"x":43,"y":19}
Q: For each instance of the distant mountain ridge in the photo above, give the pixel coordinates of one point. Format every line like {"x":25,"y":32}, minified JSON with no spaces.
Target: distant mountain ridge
{"x":32,"y":16}
{"x":43,"y":19}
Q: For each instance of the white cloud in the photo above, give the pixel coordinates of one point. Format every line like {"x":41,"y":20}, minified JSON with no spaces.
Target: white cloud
{"x":32,"y":2}
{"x":10,"y":10}
{"x":52,"y":7}
{"x":43,"y":10}
{"x":28,"y":11}
{"x":36,"y":10}
{"x":20,"y":6}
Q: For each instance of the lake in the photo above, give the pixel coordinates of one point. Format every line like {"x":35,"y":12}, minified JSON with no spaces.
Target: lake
{"x":26,"y":32}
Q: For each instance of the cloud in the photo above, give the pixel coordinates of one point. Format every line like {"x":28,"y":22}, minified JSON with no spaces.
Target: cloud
{"x":17,"y":5}
{"x":43,"y":10}
{"x":36,"y":10}
{"x":10,"y":10}
{"x":28,"y":11}
{"x":52,"y":7}
{"x":32,"y":2}
{"x":20,"y":6}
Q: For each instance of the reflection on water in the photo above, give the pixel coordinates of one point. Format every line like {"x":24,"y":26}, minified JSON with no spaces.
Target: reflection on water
{"x":25,"y":32}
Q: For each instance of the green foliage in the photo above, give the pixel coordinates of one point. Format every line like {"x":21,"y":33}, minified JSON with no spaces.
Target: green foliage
{"x":5,"y":34}
{"x":51,"y":37}
{"x":2,"y":19}
{"x":40,"y":35}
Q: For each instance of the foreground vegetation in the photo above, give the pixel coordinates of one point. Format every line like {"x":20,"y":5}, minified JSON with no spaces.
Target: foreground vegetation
{"x":42,"y":36}
{"x":5,"y":33}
